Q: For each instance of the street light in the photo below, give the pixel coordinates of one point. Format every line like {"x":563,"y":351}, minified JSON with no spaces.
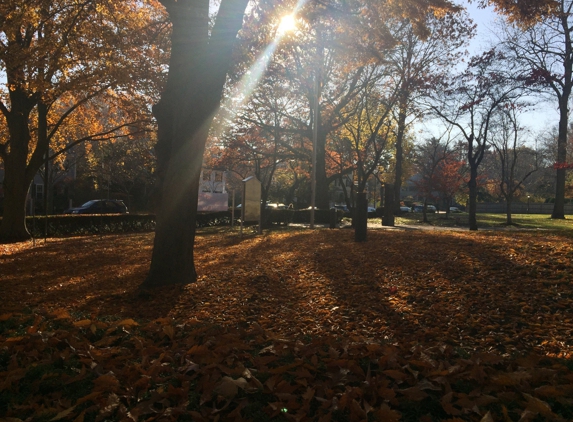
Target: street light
{"x":528,"y":203}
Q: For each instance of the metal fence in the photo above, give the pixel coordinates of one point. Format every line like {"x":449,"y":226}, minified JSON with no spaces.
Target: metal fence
{"x":521,"y":208}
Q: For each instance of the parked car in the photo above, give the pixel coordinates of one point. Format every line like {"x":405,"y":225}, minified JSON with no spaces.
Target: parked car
{"x":455,"y":209}
{"x":276,"y":206}
{"x":100,"y":206}
{"x":342,"y":208}
{"x":404,"y":208}
{"x":420,"y":208}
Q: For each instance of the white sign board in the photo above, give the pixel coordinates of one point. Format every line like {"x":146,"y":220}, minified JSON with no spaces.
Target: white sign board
{"x":213,"y":202}
{"x":251,"y":199}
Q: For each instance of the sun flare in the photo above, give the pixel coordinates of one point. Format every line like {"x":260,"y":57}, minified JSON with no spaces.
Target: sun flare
{"x":288,"y":24}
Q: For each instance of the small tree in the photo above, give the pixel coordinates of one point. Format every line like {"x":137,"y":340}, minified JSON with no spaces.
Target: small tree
{"x":429,"y":158}
{"x":449,"y":178}
{"x":470,"y":102}
{"x":511,"y":153}
{"x":419,"y":61}
{"x":368,"y":133}
{"x":543,"y":51}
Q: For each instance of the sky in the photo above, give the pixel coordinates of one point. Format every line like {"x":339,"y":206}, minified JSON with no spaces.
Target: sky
{"x":545,"y":116}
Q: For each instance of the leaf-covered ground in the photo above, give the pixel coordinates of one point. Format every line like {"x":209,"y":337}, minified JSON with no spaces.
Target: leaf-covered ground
{"x":302,"y":326}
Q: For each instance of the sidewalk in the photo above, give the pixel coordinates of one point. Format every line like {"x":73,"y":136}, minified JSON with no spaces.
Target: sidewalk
{"x":421,"y":227}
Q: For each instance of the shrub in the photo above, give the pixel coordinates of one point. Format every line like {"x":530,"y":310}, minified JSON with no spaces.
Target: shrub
{"x":70,"y":225}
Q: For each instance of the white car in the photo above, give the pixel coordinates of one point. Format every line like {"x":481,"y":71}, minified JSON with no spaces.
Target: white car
{"x":405,"y":209}
{"x":455,"y":209}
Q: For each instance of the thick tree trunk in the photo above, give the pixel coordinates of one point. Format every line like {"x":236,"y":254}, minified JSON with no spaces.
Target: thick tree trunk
{"x":13,"y":227}
{"x":559,"y":206}
{"x":18,"y":174}
{"x":400,"y":150}
{"x":322,"y":193}
{"x":508,"y":213}
{"x":172,"y":260}
{"x":361,"y":216}
{"x":388,"y":217}
{"x":200,"y":58}
{"x":472,"y":206}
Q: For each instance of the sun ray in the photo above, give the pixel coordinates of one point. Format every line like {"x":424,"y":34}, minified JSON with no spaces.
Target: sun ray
{"x":248,"y":83}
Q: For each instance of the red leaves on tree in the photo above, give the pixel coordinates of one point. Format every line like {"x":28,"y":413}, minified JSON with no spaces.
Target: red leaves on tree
{"x":560,"y":166}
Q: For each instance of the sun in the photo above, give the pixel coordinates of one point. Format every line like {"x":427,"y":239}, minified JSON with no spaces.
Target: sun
{"x":288,"y":24}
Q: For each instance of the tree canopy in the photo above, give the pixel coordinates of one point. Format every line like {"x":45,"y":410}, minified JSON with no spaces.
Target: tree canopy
{"x":74,"y":71}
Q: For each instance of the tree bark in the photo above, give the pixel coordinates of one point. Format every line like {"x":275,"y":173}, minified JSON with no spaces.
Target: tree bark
{"x":400,"y":148}
{"x":13,"y":227}
{"x":560,"y":177}
{"x":388,"y":217}
{"x":322,"y":192}
{"x":508,"y":212}
{"x":18,"y":174}
{"x":200,"y":59}
{"x":472,"y":208}
{"x":559,"y":206}
{"x":361,"y":224}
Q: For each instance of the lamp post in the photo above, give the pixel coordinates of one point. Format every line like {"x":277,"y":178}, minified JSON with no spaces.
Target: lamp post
{"x":528,"y":196}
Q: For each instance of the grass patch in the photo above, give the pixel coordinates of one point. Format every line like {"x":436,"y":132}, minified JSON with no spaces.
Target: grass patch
{"x":461,"y":220}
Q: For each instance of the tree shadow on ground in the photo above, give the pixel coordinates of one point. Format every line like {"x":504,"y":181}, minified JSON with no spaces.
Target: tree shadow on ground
{"x":475,"y":291}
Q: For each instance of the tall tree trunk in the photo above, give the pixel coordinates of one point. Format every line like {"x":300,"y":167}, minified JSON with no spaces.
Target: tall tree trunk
{"x":400,"y":149}
{"x":200,"y":58}
{"x":559,"y":206}
{"x":472,"y":185}
{"x":388,"y":195}
{"x":360,"y":219}
{"x":17,"y":174}
{"x":508,"y":213}
{"x":16,"y":186}
{"x":322,"y":193}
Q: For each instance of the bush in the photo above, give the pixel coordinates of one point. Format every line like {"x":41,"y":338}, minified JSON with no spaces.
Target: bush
{"x":70,"y":225}
{"x":66,"y":225}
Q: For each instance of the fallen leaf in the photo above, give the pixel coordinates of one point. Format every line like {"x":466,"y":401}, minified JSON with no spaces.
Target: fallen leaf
{"x":63,"y":414}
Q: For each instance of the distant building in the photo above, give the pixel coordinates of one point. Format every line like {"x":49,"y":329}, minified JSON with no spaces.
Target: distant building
{"x":213,"y":195}
{"x":36,"y":192}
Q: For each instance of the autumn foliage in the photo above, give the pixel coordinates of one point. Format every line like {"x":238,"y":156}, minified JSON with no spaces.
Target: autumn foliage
{"x":306,"y":326}
{"x":565,"y":166}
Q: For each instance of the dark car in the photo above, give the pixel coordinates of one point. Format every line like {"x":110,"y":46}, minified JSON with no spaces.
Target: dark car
{"x":342,"y":208}
{"x":100,"y":206}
